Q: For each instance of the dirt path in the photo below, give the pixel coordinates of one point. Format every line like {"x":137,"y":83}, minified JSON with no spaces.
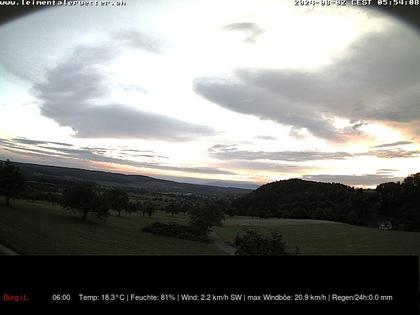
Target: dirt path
{"x":7,"y":251}
{"x":222,"y":244}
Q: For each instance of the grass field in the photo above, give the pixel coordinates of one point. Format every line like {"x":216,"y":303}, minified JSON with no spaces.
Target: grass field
{"x":43,"y":229}
{"x":315,"y":237}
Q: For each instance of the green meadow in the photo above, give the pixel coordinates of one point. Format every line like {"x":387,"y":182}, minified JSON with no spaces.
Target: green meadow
{"x":316,"y":237}
{"x":41,"y":228}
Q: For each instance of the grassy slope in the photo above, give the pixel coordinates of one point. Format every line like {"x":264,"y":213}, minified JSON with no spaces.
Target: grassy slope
{"x":41,"y":228}
{"x":315,"y":237}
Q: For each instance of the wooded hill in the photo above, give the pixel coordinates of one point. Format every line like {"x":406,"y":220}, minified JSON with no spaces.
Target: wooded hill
{"x":301,"y":199}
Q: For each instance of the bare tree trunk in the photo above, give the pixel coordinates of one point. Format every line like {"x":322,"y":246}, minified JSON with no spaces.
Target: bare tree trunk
{"x":7,"y":201}
{"x":84,"y":215}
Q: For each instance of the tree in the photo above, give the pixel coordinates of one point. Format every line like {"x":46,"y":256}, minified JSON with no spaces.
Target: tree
{"x":254,"y":244}
{"x":85,"y":198}
{"x":133,"y":207}
{"x":173,"y":208}
{"x":205,"y":216}
{"x":118,"y":200}
{"x":149,"y":208}
{"x":12,"y":181}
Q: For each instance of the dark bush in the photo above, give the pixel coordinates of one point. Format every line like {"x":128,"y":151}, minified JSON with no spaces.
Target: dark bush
{"x":253,"y":243}
{"x":185,"y":232}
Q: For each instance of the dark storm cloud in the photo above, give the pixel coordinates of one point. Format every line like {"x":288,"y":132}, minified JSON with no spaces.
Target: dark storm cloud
{"x":377,"y":79}
{"x":38,"y":149}
{"x":74,"y":95}
{"x":393,"y":144}
{"x":251,"y":30}
{"x":353,"y":180}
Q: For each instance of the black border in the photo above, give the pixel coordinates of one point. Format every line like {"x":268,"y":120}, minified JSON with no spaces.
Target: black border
{"x":39,"y":277}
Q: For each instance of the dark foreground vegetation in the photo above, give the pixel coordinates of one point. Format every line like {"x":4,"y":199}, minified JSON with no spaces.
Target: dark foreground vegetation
{"x":252,"y":243}
{"x":12,"y":182}
{"x":172,"y":229}
{"x":202,"y":218}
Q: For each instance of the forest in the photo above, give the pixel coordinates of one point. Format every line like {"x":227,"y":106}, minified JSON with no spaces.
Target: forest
{"x":397,"y":202}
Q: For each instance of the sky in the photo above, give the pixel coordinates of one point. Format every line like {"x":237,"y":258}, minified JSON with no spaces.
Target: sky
{"x":221,"y":91}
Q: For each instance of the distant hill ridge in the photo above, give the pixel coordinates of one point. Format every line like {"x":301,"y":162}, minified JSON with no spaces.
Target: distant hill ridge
{"x":57,"y":174}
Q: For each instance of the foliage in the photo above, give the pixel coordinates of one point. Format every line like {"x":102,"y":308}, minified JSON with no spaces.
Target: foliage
{"x":86,"y":198}
{"x":300,"y":199}
{"x":117,"y":199}
{"x":401,"y":201}
{"x":134,"y":207}
{"x":205,"y":216}
{"x":254,"y":244}
{"x":12,"y":181}
{"x":149,"y":208}
{"x":176,"y":230}
{"x":173,"y":208}
{"x":179,"y":206}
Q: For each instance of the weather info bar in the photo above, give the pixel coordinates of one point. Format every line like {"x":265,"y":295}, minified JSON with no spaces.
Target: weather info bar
{"x":381,"y":284}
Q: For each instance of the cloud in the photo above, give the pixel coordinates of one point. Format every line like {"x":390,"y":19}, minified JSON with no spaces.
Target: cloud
{"x":38,"y":148}
{"x":262,"y":137}
{"x":257,"y":101}
{"x":385,"y":171}
{"x":376,"y":79}
{"x":37,"y":142}
{"x":75,"y":94}
{"x":357,"y":125}
{"x":190,"y":169}
{"x":251,"y":30}
{"x":138,"y":40}
{"x":392,"y":154}
{"x":353,"y":180}
{"x":231,"y":152}
{"x":255,"y":165}
{"x":393,"y":144}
